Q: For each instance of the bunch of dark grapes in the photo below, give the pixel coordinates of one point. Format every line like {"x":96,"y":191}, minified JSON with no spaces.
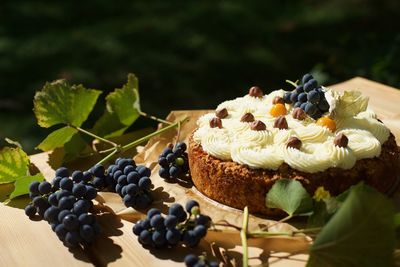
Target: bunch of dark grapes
{"x":173,"y":161}
{"x":192,"y":260}
{"x":66,"y":204}
{"x":309,"y":97}
{"x":131,"y":182}
{"x":188,"y":227}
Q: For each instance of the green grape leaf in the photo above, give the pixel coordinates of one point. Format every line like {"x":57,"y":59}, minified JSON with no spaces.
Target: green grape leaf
{"x":57,"y":138}
{"x":290,"y":196}
{"x":58,"y":102}
{"x":123,"y":109}
{"x":361,"y":233}
{"x":14,"y":164}
{"x":21,"y":186}
{"x":74,"y":147}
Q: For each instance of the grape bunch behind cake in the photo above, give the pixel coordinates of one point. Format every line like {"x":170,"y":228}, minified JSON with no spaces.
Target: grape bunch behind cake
{"x":312,"y":134}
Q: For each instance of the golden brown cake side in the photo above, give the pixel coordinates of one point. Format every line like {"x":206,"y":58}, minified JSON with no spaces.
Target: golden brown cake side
{"x":238,"y":185}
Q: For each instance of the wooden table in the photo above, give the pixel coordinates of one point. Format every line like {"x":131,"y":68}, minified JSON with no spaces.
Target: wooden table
{"x":32,"y":243}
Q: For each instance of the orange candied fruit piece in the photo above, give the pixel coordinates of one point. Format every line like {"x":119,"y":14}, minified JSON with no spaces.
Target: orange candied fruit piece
{"x":327,"y":122}
{"x":278,"y":110}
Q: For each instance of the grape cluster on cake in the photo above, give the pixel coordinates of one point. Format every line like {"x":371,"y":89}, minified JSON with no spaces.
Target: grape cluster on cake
{"x":313,"y":134}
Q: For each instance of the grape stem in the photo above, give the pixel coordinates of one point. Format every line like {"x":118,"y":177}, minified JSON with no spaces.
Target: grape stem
{"x":243,"y":236}
{"x":94,"y":135}
{"x":292,"y":83}
{"x":119,"y":148}
{"x":154,"y":118}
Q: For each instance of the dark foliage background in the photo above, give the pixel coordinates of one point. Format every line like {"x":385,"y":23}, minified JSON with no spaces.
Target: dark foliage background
{"x":187,"y":54}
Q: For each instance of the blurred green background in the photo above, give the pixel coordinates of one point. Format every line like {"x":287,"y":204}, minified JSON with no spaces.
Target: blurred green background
{"x":187,"y":54}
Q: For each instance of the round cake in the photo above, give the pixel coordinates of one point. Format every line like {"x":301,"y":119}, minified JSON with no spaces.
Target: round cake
{"x":313,"y":134}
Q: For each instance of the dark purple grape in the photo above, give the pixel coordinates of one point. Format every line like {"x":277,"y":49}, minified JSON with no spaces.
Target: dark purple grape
{"x":122,"y":180}
{"x":191,"y":260}
{"x":62,"y":215}
{"x":131,"y":189}
{"x":182,"y":146}
{"x":158,"y":238}
{"x":299,"y":89}
{"x":86,"y":232}
{"x":162,"y":161}
{"x":129,"y":200}
{"x":145,"y":237}
{"x":302,"y":97}
{"x":287,"y":97}
{"x":164,"y":172}
{"x":91,"y":192}
{"x":77,"y":176}
{"x":62,"y":172}
{"x":39,"y":202}
{"x":294,"y":97}
{"x":65,"y":203}
{"x":323,"y":105}
{"x":313,"y":97}
{"x":297,"y":105}
{"x":34,"y":187}
{"x":70,"y":222}
{"x":200,"y":230}
{"x":51,"y":214}
{"x":86,"y":218}
{"x":173,"y":236}
{"x":61,"y":231}
{"x":165,"y":152}
{"x":190,"y":238}
{"x":56,"y":182}
{"x":133,"y":177}
{"x":53,"y":199}
{"x":152,"y":212}
{"x":98,"y":170}
{"x":128,"y":169}
{"x":174,"y":171}
{"x":87,"y":176}
{"x":66,"y":184}
{"x":157,"y":221}
{"x":144,"y":183}
{"x":170,"y":221}
{"x":303,"y":106}
{"x":137,"y":228}
{"x":306,"y":78}
{"x":30,"y":210}
{"x":310,"y":109}
{"x":177,"y":210}
{"x":143,"y":171}
{"x":79,"y":190}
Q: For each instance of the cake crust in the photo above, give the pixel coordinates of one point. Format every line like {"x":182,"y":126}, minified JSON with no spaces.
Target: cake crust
{"x":237,"y":185}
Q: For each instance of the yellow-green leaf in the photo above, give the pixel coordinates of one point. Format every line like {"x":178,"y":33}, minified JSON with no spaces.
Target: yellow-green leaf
{"x":58,"y":102}
{"x":21,"y":186}
{"x":123,"y":109}
{"x":57,"y":138}
{"x":14,"y":164}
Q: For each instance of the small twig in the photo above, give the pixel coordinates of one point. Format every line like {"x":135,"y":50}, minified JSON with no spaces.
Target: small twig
{"x":94,"y":135}
{"x":292,"y":83}
{"x":154,"y":118}
{"x":108,"y":156}
{"x":243,"y":236}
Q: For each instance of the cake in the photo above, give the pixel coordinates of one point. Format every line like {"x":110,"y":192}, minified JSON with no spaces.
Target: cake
{"x":332,"y":140}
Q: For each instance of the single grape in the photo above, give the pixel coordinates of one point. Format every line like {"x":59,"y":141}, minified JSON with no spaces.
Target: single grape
{"x":170,"y":158}
{"x":62,"y":193}
{"x":117,"y":174}
{"x":145,"y":237}
{"x":81,"y":206}
{"x":131,"y":189}
{"x":39,"y":202}
{"x":173,"y":236}
{"x":129,"y":200}
{"x":164,"y":172}
{"x":87,"y":176}
{"x":61,"y":231}
{"x":137,"y":228}
{"x":179,"y":161}
{"x":51,"y":214}
{"x":181,"y":145}
{"x":170,"y":221}
{"x":91,"y":192}
{"x":143,"y":171}
{"x":30,"y":210}
{"x":70,"y":222}
{"x":34,"y":187}
{"x":77,"y":176}
{"x":72,"y":239}
{"x":200,"y":230}
{"x":122,"y":163}
{"x":157,"y":221}
{"x":287,"y":98}
{"x":190,"y":238}
{"x":145,"y":223}
{"x":128,"y":169}
{"x":201,"y":219}
{"x":133,"y":177}
{"x":62,"y":215}
{"x":303,"y":105}
{"x":323,"y":105}
{"x":165,"y":152}
{"x":86,"y":218}
{"x":162,"y":161}
{"x":65,"y":203}
{"x":313,"y":97}
{"x":98,"y":170}
{"x":191,"y":260}
{"x":56,"y":182}
{"x":302,"y":97}
{"x":145,"y":183}
{"x":299,"y":89}
{"x":152,"y":212}
{"x":306,"y":78}
{"x":177,"y":210}
{"x":158,"y":238}
{"x":98,"y":182}
{"x":174,"y":171}
{"x":297,"y":105}
{"x":122,"y":180}
{"x":294,"y":97}
{"x":53,"y":199}
{"x":66,"y":184}
{"x":310,"y":109}
{"x":79,"y":190}
{"x":62,"y":172}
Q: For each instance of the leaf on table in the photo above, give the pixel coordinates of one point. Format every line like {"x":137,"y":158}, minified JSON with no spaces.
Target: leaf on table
{"x":290,"y":196}
{"x":123,"y":109}
{"x":21,"y":186}
{"x":58,"y":102}
{"x":361,"y":233}
{"x":57,"y":138}
{"x":14,"y":164}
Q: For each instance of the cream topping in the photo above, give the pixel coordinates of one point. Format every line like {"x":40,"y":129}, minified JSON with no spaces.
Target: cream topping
{"x":267,"y":149}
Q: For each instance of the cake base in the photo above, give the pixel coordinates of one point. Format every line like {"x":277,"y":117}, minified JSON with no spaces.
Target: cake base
{"x":237,"y":185}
